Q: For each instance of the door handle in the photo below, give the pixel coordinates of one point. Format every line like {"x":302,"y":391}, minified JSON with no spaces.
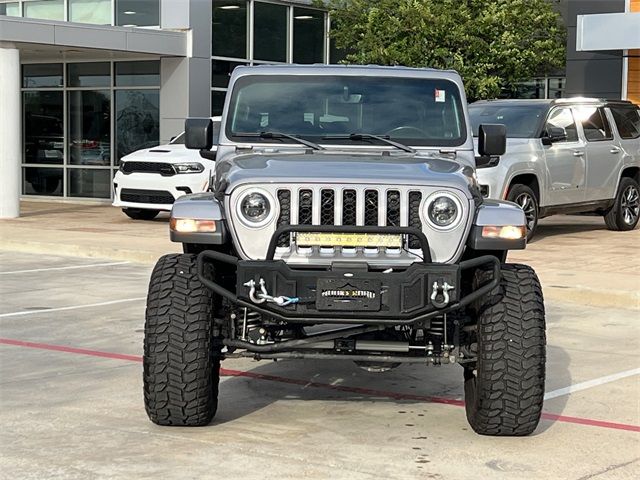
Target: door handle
{"x":578,"y":153}
{"x":614,"y":150}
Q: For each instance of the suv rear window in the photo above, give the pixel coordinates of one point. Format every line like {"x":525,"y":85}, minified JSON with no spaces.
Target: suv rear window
{"x":627,"y":120}
{"x":594,"y":123}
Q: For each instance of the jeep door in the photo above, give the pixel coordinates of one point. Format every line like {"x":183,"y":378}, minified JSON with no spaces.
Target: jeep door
{"x":565,"y":160}
{"x":604,"y":156}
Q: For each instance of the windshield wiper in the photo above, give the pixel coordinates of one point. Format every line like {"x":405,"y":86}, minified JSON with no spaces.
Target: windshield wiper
{"x":276,"y":135}
{"x":368,"y":136}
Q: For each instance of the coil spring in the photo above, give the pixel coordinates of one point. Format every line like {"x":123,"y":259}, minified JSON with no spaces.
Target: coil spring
{"x":437,"y":327}
{"x":250,"y":321}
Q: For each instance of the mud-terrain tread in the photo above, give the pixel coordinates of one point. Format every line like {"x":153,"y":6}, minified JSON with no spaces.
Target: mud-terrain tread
{"x":506,"y":397}
{"x":180,"y":374}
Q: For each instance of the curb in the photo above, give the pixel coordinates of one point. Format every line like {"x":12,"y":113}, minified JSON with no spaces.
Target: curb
{"x":628,"y":300}
{"x":110,"y":253}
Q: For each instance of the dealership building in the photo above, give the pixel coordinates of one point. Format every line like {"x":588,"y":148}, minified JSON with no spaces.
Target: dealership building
{"x":84,"y":82}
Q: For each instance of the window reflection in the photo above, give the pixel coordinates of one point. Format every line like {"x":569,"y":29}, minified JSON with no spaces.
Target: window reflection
{"x":270,"y":32}
{"x":11,"y":9}
{"x":308,"y":36}
{"x":90,"y":74}
{"x":44,"y":9}
{"x":221,"y":71}
{"x":42,"y":181}
{"x":217,"y":102}
{"x":43,"y":127}
{"x":137,"y":74}
{"x":89,"y":128}
{"x":42,"y":75}
{"x":90,"y":11}
{"x":89,"y":183}
{"x":229,"y":28}
{"x":138,"y":13}
{"x":137,"y":120}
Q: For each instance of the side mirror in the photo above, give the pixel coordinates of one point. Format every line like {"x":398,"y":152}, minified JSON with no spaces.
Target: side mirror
{"x":554,"y":134}
{"x":492,"y":139}
{"x":198,"y":133}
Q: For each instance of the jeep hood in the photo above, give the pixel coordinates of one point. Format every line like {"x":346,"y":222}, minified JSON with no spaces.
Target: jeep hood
{"x":350,"y":168}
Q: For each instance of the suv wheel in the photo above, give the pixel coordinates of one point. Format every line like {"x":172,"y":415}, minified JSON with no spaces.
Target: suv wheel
{"x":504,"y":388}
{"x":140,"y":213}
{"x":528,"y":202}
{"x":624,"y":214}
{"x":181,"y":363}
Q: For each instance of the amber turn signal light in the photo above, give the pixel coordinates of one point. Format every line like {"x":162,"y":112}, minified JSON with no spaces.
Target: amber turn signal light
{"x":191,"y":225}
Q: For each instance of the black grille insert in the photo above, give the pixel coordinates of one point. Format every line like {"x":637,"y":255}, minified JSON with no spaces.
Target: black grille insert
{"x":415,"y":198}
{"x":158,"y":197}
{"x":371,"y":207}
{"x":305,"y":207}
{"x":327,"y":204}
{"x":164,"y":169}
{"x":284,"y":199}
{"x":393,"y":208}
{"x":349,"y":208}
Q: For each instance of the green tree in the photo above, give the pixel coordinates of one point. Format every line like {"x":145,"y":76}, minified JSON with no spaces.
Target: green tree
{"x":493,"y":44}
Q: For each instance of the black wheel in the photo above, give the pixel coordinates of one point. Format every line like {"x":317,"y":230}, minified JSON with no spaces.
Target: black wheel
{"x":527,"y":200}
{"x":504,"y":388}
{"x":624,"y":214}
{"x":181,"y":362}
{"x":140,"y":213}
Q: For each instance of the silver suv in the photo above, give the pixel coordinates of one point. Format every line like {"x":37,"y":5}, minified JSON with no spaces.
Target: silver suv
{"x":575,"y":155}
{"x":346,"y":223}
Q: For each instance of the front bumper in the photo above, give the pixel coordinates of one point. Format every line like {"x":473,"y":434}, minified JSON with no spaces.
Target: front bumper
{"x":351,"y":293}
{"x":176,"y":185}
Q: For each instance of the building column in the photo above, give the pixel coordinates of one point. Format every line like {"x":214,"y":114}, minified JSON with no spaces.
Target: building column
{"x":10,"y":131}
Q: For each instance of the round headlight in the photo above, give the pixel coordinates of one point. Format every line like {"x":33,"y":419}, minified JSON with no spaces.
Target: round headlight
{"x":443,"y":211}
{"x":255,"y":208}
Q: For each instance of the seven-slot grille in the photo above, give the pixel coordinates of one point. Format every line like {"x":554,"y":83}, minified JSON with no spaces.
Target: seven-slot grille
{"x":164,"y":169}
{"x":370,"y":207}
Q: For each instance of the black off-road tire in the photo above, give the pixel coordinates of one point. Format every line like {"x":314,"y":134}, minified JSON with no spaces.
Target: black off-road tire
{"x":504,"y":389}
{"x":181,"y":364}
{"x":517,"y":194}
{"x":140,"y":213}
{"x":615,"y":218}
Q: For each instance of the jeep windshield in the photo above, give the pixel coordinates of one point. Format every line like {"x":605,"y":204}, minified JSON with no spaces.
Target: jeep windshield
{"x":522,"y":120}
{"x":412,"y":111}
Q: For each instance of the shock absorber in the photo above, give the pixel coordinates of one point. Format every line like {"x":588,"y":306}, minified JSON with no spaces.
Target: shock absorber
{"x":250,"y":321}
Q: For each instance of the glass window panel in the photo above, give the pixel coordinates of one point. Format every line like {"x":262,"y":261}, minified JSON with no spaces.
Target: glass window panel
{"x":556,"y":87}
{"x":137,"y":120}
{"x":627,"y":120}
{"x":138,"y":13}
{"x":42,"y":181}
{"x":90,"y":11}
{"x":229,"y":28}
{"x":221,"y":71}
{"x":136,"y":74}
{"x":11,"y":9}
{"x":308,"y":36}
{"x":89,"y":127}
{"x":42,"y":75}
{"x":270,"y":32}
{"x":44,"y":9}
{"x":89,"y":183}
{"x":43,"y":127}
{"x":594,"y":124}
{"x":217,"y":102}
{"x":563,"y":118}
{"x":533,"y":88}
{"x":89,"y":74}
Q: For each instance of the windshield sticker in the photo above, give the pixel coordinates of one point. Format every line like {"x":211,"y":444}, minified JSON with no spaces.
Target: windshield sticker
{"x":440,"y":95}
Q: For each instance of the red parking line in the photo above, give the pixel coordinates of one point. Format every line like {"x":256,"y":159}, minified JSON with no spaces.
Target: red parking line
{"x":304,"y":383}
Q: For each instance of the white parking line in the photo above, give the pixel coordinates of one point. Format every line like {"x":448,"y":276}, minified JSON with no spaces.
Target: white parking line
{"x":591,"y":383}
{"x":73,"y":307}
{"x":65,"y":268}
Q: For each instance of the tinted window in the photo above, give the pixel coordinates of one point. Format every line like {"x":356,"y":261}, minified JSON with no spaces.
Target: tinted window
{"x":221,"y":71}
{"x":308,"y":36}
{"x":521,"y":121}
{"x":138,"y":13}
{"x":627,"y":120}
{"x":229,"y":29}
{"x":411,"y":110}
{"x":270,"y":32}
{"x":138,"y":74}
{"x":137,"y":120}
{"x":89,"y":74}
{"x":595,"y":125}
{"x":563,"y":118}
{"x":43,"y":127}
{"x":42,"y":75}
{"x":89,"y":127}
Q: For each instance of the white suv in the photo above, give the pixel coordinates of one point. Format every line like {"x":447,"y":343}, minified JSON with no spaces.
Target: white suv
{"x":150,"y":180}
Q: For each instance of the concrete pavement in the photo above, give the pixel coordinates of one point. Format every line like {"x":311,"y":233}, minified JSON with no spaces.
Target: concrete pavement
{"x":576,"y":257}
{"x":71,"y":398}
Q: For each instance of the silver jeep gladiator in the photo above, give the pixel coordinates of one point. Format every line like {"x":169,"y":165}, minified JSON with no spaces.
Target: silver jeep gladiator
{"x":346,"y":222}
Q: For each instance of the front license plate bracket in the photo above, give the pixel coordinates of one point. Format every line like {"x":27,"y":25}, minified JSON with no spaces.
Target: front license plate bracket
{"x":348,"y":294}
